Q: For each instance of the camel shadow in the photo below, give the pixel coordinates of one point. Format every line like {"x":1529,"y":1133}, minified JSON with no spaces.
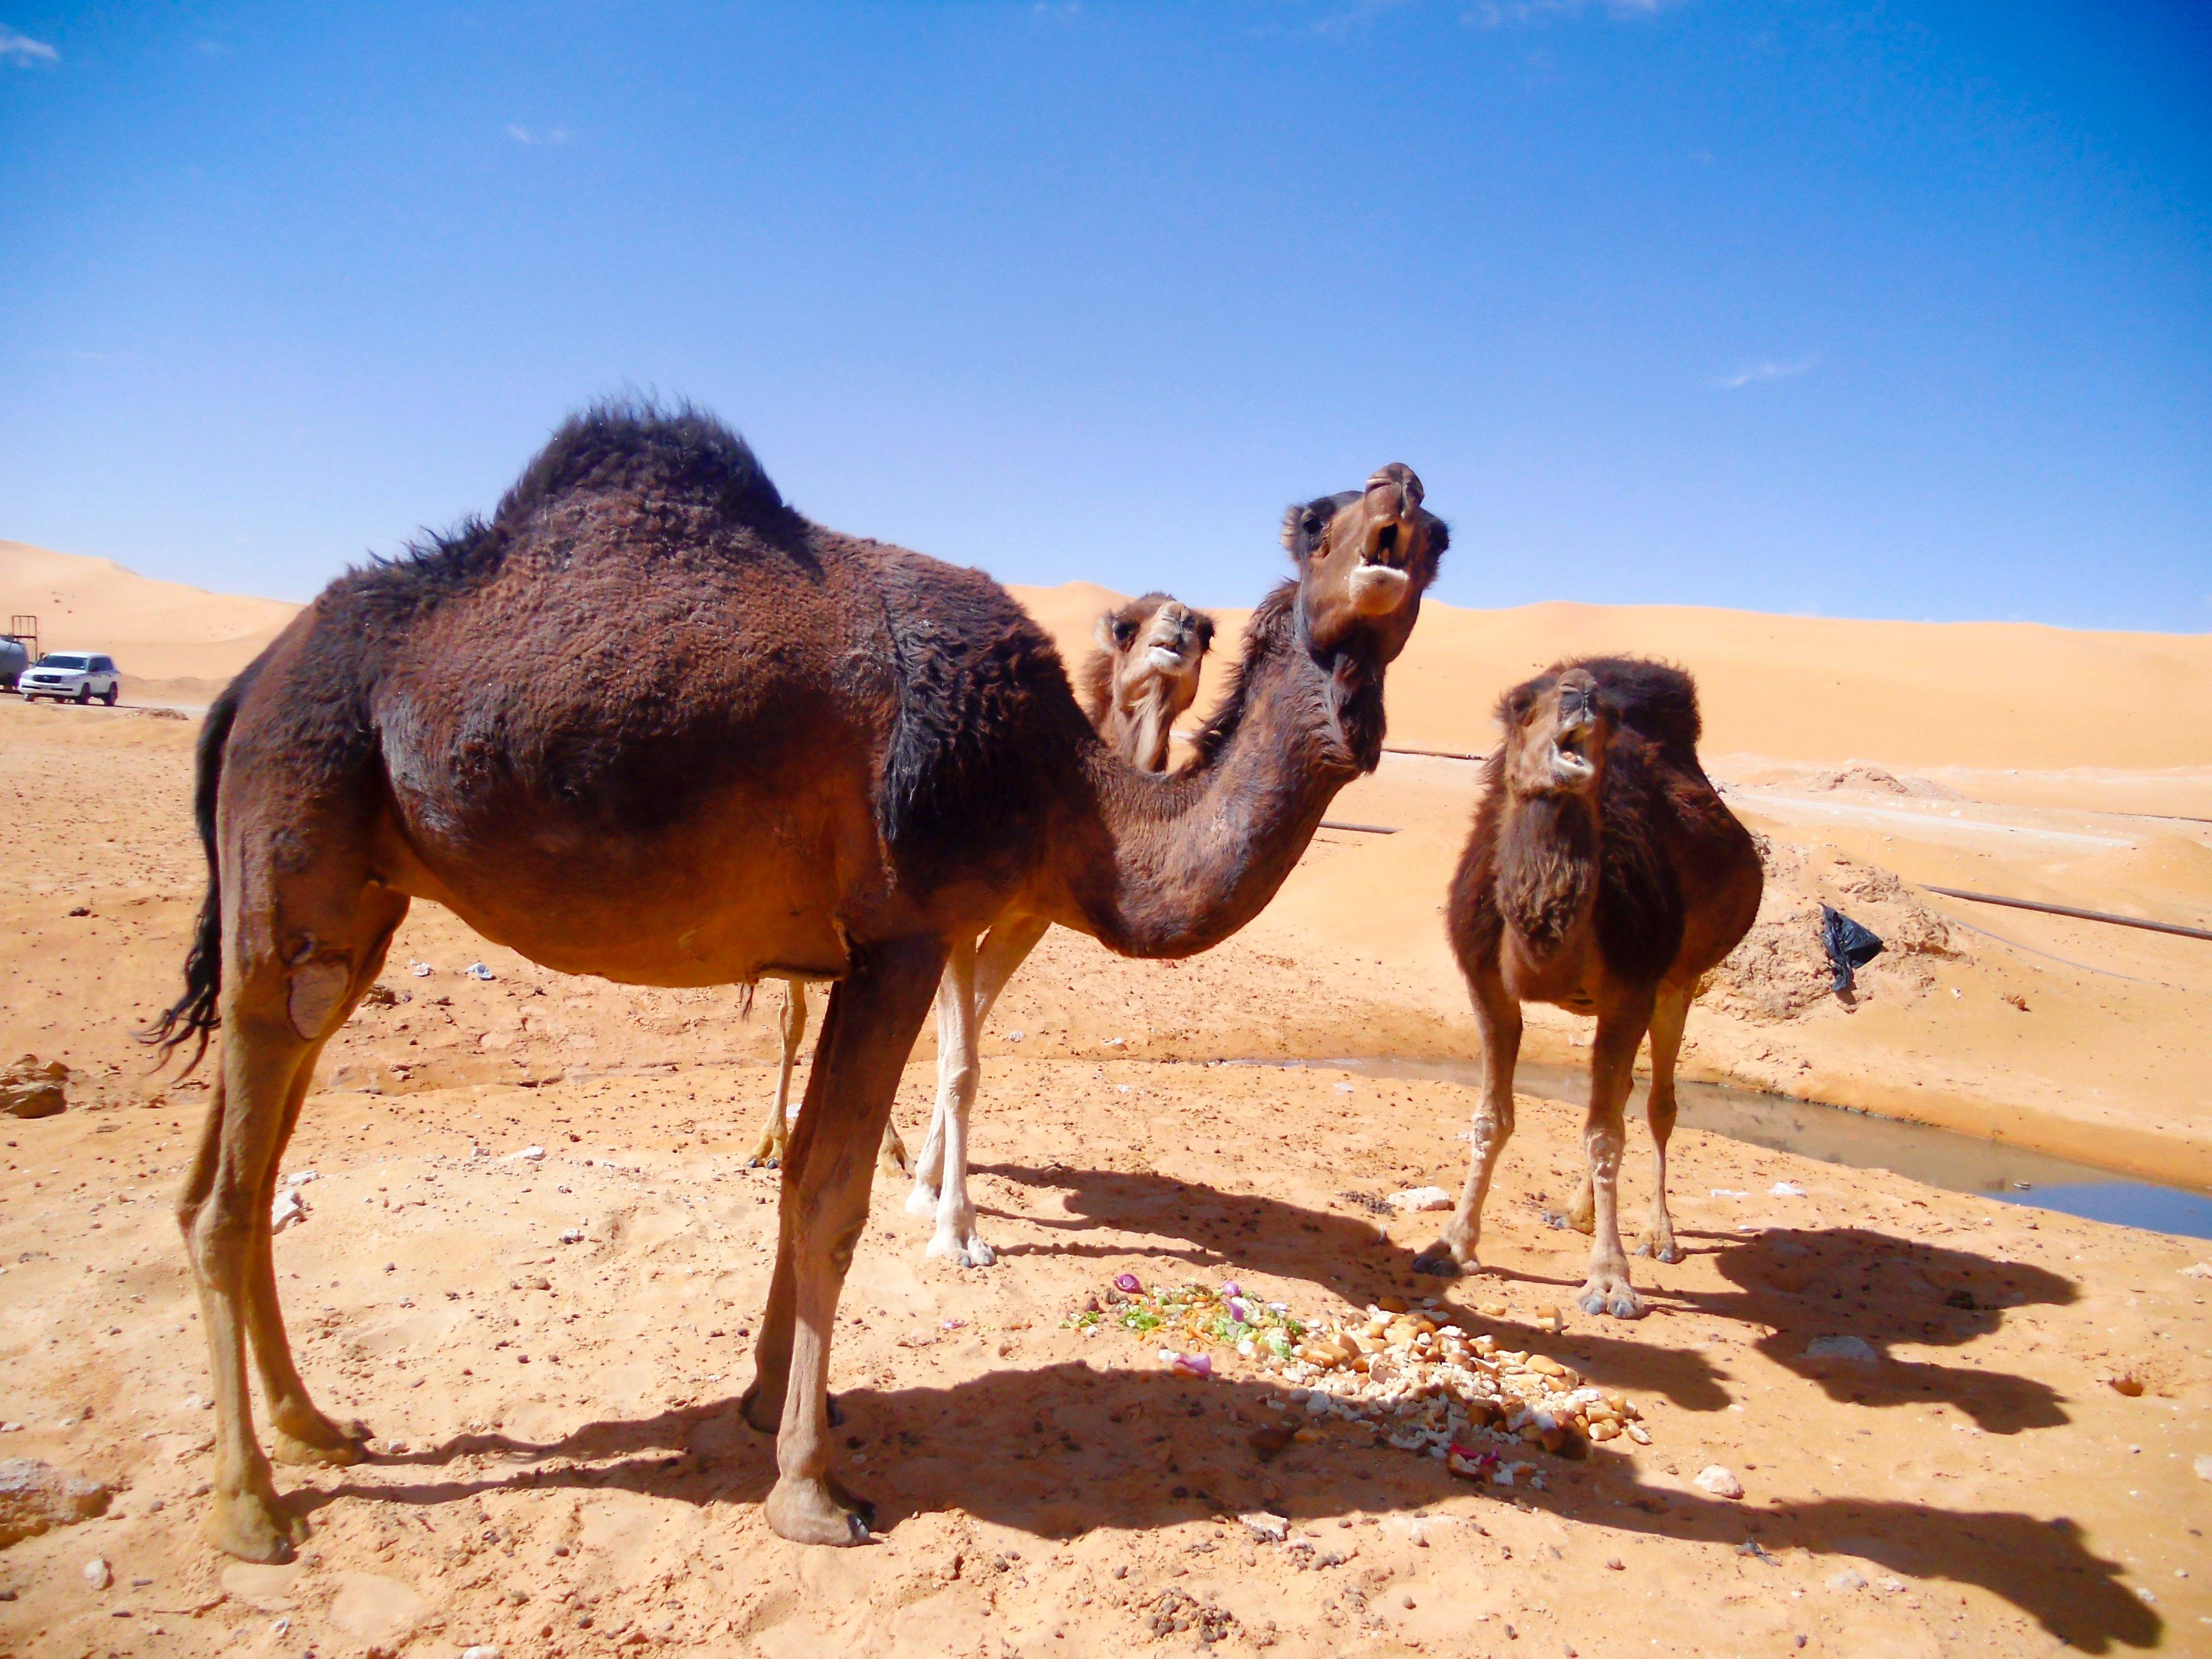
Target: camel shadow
{"x":1250,"y":1232}
{"x":1851,"y":1282}
{"x":1064,"y":1449}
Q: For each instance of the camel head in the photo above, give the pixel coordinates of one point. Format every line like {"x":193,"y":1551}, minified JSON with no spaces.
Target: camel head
{"x":1557,"y":726}
{"x":1143,"y":675}
{"x":1157,"y":645}
{"x":1364,"y":557}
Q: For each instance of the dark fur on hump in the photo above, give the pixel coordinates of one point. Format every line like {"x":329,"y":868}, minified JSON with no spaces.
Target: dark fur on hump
{"x":984,"y":708}
{"x":1640,"y":915}
{"x":677,"y":465}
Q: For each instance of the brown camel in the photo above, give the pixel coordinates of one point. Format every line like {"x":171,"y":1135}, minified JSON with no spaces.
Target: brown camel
{"x":648,"y":722}
{"x":1605,"y":876}
{"x":1142,"y":679}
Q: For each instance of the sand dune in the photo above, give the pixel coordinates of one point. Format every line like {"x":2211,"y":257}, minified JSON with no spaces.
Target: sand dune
{"x":1987,"y":694}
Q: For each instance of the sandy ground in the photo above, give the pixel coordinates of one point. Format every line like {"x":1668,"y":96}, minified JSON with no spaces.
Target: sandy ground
{"x":560,"y":1469}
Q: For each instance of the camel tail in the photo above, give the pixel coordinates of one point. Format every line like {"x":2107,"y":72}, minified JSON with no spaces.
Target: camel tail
{"x":194,"y":1015}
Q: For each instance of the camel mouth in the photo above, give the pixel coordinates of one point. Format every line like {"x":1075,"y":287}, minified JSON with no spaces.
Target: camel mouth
{"x":1378,"y":588}
{"x":1166,"y":658}
{"x":1572,"y":761}
{"x":1386,"y":552}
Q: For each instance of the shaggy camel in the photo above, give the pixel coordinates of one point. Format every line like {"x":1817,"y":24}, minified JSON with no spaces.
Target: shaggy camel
{"x":650,"y":723}
{"x":1604,"y":875}
{"x":1142,"y":676}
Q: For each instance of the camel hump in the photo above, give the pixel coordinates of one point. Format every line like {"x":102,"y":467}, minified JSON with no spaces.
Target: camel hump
{"x":639,"y":449}
{"x":1656,"y":698}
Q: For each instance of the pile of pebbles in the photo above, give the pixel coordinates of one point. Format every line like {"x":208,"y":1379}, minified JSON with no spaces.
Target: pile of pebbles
{"x":1422,"y":1384}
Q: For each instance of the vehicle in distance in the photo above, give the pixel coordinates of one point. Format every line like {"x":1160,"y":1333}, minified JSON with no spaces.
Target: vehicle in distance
{"x":71,"y":676}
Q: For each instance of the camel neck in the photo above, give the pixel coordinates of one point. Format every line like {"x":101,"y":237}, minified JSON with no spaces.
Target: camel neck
{"x":1547,"y":869}
{"x":1168,"y":866}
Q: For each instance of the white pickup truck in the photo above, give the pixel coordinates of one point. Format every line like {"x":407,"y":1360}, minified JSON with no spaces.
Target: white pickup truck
{"x":72,"y":677}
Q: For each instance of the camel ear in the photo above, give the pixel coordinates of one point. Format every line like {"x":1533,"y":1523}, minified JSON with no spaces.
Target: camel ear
{"x":1205,"y":633}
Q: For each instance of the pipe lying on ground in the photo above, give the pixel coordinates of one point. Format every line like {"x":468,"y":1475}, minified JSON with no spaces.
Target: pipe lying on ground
{"x":1366,"y":829}
{"x":2070,"y":910}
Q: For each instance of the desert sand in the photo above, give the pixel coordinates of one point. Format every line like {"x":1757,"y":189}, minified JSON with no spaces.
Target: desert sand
{"x":559,"y":1468}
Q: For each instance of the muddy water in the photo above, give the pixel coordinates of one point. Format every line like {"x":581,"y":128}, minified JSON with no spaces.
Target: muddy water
{"x":1834,"y":1134}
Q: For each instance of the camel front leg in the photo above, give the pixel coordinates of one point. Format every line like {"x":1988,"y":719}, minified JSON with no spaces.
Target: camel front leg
{"x":873,"y":1017}
{"x":957,"y":1239}
{"x":776,"y":1128}
{"x":1613,"y":1073}
{"x":1668,"y":1015}
{"x":1001,"y":952}
{"x":1498,"y":1017}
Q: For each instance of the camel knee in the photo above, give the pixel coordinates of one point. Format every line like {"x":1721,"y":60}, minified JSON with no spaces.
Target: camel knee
{"x":317,"y":984}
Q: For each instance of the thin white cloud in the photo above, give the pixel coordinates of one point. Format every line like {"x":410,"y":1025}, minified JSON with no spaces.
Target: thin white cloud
{"x":1505,"y":13}
{"x":523,"y":135}
{"x":1770,"y":368}
{"x":21,"y":49}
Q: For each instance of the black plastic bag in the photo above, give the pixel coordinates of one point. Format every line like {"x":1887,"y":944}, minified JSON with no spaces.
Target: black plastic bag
{"x":1850,"y":945}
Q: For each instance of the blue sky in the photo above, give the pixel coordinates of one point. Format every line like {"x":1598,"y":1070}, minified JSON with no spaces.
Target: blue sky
{"x":1897,"y":310}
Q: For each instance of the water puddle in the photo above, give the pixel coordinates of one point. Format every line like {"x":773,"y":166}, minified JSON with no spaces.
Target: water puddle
{"x":1860,"y":1140}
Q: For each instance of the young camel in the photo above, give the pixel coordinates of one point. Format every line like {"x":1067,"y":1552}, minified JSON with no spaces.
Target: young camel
{"x":1135,"y":685}
{"x":648,"y":722}
{"x":1605,"y":876}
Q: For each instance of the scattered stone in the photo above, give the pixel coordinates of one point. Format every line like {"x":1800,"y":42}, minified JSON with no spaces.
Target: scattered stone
{"x":1850,"y":1350}
{"x":289,"y":1208}
{"x":2198,"y":1270}
{"x":1846,"y":1580}
{"x":1614,"y":1564}
{"x":477,"y":970}
{"x":35,"y":1496}
{"x":527,"y":1155}
{"x":480,"y":1650}
{"x":29,"y":1089}
{"x":2204,"y":1466}
{"x":1786,"y":1189}
{"x":98,"y":1574}
{"x":1270,"y":1527}
{"x":573,"y":1236}
{"x":420,"y":970}
{"x":1718,"y":1481}
{"x":1419,"y":1198}
{"x":380,"y":995}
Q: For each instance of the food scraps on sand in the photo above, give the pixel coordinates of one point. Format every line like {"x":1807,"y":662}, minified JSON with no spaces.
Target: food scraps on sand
{"x":1423,"y":1383}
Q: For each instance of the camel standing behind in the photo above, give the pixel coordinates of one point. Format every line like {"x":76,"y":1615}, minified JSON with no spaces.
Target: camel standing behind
{"x":1604,"y":875}
{"x":1135,"y":686}
{"x":649,"y":722}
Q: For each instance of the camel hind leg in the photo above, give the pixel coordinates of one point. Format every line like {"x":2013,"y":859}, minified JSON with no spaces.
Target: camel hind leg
{"x":1669,"y":1012}
{"x":295,"y":956}
{"x":776,"y":1128}
{"x":304,"y":1435}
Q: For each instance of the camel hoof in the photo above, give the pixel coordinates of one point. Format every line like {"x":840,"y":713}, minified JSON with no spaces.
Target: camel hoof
{"x":922,"y":1201}
{"x":1659,"y":1249}
{"x":254,"y":1527}
{"x":1439,"y":1260}
{"x":972,"y":1251}
{"x":1582,"y":1221}
{"x":817,"y":1512}
{"x":892,"y":1158}
{"x":1613,"y":1297}
{"x":322,"y":1444}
